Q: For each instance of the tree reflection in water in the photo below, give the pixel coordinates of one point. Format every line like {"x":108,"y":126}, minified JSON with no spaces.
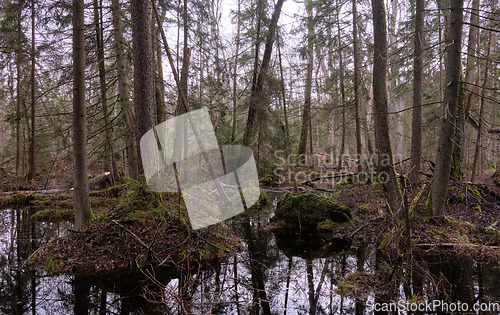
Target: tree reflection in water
{"x":275,"y":274}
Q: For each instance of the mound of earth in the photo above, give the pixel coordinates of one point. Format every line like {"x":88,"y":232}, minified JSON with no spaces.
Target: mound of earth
{"x":306,"y":213}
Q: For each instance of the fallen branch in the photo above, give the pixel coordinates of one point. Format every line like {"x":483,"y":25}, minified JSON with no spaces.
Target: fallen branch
{"x":456,"y":245}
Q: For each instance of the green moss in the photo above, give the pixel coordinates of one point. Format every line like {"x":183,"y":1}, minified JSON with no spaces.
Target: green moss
{"x":52,"y":215}
{"x":326,"y":226}
{"x":477,"y":209}
{"x":51,"y":264}
{"x":15,"y":200}
{"x":306,"y":211}
{"x":428,"y":205}
{"x":364,"y":209}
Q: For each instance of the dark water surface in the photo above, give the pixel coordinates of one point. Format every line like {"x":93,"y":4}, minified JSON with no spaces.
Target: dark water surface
{"x":273,"y":275}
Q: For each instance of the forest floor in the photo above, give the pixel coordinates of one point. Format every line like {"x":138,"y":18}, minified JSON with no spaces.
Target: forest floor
{"x":134,"y":228}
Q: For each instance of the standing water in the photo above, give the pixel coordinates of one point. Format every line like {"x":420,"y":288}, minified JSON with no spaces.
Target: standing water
{"x":272,"y":275}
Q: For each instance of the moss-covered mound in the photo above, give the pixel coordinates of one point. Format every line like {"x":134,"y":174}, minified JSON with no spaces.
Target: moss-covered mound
{"x":146,"y":229}
{"x":305,"y":213}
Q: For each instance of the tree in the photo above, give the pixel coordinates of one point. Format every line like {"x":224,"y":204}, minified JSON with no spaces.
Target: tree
{"x":81,"y":183}
{"x":256,"y":93}
{"x":143,"y":72}
{"x":439,"y":186}
{"x":416,"y":131}
{"x":31,"y":172}
{"x":306,"y":112}
{"x":385,"y":163}
{"x":123,"y":95}
{"x":357,"y":82}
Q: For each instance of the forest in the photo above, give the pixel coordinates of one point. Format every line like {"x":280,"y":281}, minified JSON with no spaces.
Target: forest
{"x":249,"y":157}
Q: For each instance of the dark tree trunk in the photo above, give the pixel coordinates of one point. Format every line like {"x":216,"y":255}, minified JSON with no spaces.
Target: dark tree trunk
{"x":306,"y":111}
{"x":143,"y":78}
{"x":357,"y":82}
{"x":32,"y":166}
{"x":123,"y":95}
{"x":439,"y":187}
{"x":81,"y":183}
{"x":256,"y":97}
{"x":385,"y":165}
{"x":416,"y":131}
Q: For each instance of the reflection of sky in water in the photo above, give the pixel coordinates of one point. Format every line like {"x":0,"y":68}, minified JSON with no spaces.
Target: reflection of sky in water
{"x":216,"y":288}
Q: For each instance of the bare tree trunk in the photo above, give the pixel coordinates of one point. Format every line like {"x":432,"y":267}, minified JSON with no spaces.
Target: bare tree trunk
{"x":186,"y":56}
{"x":357,"y":83}
{"x":256,"y":97}
{"x":109,"y":164}
{"x":306,"y":112}
{"x":416,"y":131}
{"x":342,"y":92}
{"x":32,"y":166}
{"x":476,"y":165}
{"x":283,"y":93}
{"x":123,"y":94}
{"x":439,"y":187}
{"x":143,"y":78}
{"x":81,"y":183}
{"x":161,"y":110}
{"x":18,"y":94}
{"x":235,"y":71}
{"x":385,"y":165}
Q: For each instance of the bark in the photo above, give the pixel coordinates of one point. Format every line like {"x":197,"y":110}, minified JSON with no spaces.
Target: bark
{"x":108,"y":129}
{"x":81,"y":183}
{"x":235,"y":70}
{"x":186,"y":54}
{"x":32,"y":161}
{"x":123,"y":94}
{"x":143,"y":74}
{"x":342,"y":93}
{"x":416,"y":131}
{"x":439,"y":187}
{"x":283,"y":93}
{"x":306,"y":111}
{"x":357,"y":82}
{"x":256,"y":94}
{"x":476,"y":166}
{"x":385,"y":163}
{"x":18,"y":94}
{"x":161,"y":110}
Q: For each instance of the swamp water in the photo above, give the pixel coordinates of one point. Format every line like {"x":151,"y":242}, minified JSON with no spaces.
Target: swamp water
{"x":271,"y":276}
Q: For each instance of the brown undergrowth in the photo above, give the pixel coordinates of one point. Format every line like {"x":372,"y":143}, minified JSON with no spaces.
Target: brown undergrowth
{"x":145,"y":230}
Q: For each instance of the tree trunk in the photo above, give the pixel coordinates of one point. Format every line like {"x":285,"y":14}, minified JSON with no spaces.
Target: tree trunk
{"x":143,"y":78}
{"x":283,"y":93}
{"x":306,"y":111}
{"x":342,"y":91}
{"x":357,"y":83}
{"x":439,"y":187}
{"x":256,"y":94}
{"x":18,"y":94}
{"x":235,"y":71}
{"x":385,"y":165}
{"x":416,"y":131}
{"x":107,"y":131}
{"x":81,"y":183}
{"x":32,"y":170}
{"x":476,"y":166}
{"x":161,"y":110}
{"x":123,"y":94}
{"x":186,"y":56}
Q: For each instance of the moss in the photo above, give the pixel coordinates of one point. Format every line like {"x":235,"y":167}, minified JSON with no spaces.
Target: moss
{"x":428,"y":205}
{"x":15,"y":200}
{"x":477,"y":209}
{"x":364,"y":209}
{"x":326,"y":226}
{"x":53,"y":215}
{"x":304,"y":212}
{"x":51,"y":264}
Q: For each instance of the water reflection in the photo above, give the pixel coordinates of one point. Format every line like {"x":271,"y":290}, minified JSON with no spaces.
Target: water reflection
{"x":275,"y":274}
